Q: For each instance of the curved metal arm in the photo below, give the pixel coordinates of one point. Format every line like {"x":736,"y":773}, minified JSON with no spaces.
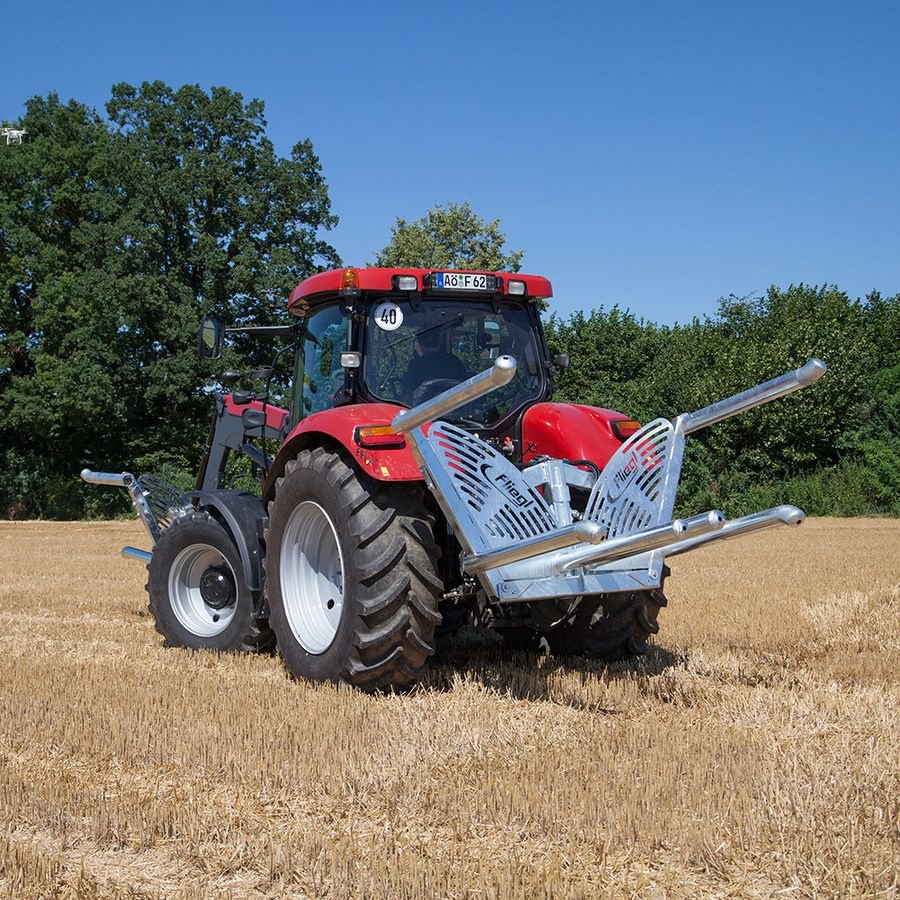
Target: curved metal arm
{"x":138,"y":497}
{"x":122,"y":479}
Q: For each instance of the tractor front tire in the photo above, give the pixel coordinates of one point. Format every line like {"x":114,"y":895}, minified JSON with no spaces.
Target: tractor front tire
{"x":351,"y":579}
{"x":611,"y":628}
{"x":198,"y":593}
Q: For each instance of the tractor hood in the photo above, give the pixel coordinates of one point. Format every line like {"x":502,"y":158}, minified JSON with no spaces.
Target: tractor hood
{"x":570,"y":431}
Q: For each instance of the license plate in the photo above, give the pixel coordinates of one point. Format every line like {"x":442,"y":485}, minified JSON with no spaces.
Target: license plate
{"x":463,"y":281}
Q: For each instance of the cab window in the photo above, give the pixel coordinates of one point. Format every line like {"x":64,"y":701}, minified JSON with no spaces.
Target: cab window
{"x":430,"y":346}
{"x":319,"y":374}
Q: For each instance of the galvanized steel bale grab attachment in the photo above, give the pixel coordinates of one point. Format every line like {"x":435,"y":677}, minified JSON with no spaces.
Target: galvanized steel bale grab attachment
{"x":528,"y":544}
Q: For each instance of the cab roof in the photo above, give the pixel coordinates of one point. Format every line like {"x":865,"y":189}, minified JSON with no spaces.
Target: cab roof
{"x":325,"y":286}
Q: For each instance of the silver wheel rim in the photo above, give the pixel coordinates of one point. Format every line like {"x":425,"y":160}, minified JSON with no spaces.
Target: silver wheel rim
{"x":312,"y":577}
{"x":187,"y":601}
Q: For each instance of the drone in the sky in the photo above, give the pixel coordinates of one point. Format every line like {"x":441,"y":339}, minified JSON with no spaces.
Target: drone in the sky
{"x":13,"y":135}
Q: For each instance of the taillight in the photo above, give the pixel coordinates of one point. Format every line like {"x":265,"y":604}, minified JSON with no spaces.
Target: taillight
{"x":624,"y":428}
{"x":378,"y":437}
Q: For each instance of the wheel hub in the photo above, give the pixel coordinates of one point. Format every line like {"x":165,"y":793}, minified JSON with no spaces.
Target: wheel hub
{"x":217,"y":588}
{"x":312,"y":577}
{"x":203,"y":590}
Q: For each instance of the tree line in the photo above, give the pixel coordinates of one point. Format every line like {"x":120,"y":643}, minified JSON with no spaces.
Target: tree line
{"x":118,"y":232}
{"x":833,"y":448}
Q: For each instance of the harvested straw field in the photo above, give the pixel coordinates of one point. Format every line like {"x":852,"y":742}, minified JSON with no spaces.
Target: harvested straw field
{"x":753,"y":753}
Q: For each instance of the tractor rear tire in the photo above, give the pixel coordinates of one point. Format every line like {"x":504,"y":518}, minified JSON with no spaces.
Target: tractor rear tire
{"x":351,"y":574}
{"x":198,"y":593}
{"x":610,"y":628}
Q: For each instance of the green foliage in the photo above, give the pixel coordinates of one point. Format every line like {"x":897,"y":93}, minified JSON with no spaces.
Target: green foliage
{"x":449,"y":238}
{"x":834,"y":448}
{"x":611,"y":354}
{"x":116,"y":236}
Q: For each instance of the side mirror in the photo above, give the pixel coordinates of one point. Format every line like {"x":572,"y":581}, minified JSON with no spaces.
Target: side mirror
{"x":211,"y":339}
{"x":562,"y":361}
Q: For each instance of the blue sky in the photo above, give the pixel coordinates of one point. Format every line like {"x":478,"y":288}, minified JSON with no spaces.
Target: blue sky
{"x":655,"y":155}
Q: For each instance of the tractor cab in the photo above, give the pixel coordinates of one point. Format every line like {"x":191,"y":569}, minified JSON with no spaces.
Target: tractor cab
{"x":402,"y":336}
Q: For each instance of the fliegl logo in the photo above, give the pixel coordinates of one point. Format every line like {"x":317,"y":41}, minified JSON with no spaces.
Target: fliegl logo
{"x":623,"y":476}
{"x":505,"y":485}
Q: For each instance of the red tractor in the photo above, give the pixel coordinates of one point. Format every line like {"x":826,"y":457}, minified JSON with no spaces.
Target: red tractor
{"x":424,"y":479}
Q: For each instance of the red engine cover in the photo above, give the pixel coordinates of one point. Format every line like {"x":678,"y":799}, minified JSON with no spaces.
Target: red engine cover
{"x":569,"y":431}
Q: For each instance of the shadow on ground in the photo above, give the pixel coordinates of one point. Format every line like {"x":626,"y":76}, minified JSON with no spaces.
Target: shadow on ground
{"x":482,"y":657}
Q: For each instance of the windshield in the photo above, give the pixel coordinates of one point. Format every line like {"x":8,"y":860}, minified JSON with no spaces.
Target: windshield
{"x":416,"y":350}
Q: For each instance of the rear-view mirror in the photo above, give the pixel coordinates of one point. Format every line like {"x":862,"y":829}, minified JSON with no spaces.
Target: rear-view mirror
{"x":211,"y":339}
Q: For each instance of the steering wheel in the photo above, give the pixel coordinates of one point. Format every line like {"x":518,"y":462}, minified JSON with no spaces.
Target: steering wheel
{"x":431,"y":388}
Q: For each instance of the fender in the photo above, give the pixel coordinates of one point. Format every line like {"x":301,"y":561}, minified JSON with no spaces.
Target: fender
{"x":245,"y":516}
{"x":570,"y":431}
{"x":338,"y":425}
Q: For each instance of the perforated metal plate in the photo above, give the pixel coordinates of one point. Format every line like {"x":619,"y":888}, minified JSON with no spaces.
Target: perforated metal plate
{"x":632,"y":492}
{"x":488,"y":495}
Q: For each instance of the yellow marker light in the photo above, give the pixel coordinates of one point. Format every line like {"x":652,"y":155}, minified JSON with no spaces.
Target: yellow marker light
{"x":378,"y":436}
{"x":624,"y":428}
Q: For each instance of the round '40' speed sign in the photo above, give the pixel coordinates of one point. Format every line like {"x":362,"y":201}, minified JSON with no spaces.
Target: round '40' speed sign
{"x":388,"y":316}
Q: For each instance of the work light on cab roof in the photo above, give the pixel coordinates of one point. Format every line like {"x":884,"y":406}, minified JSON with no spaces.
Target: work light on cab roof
{"x":422,"y":478}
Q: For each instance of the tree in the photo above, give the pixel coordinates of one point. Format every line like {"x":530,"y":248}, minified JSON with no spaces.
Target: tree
{"x":451,"y":238}
{"x":115,"y":238}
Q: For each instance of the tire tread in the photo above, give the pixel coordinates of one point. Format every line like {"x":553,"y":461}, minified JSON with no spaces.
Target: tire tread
{"x":393,"y":547}
{"x":256,"y":636}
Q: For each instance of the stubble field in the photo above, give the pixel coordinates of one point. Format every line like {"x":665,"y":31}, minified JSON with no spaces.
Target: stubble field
{"x":755,"y":752}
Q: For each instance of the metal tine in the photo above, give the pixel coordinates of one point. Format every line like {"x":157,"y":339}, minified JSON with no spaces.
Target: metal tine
{"x":786,"y":514}
{"x":756,"y":396}
{"x":138,"y":496}
{"x":627,"y":545}
{"x":500,"y":373}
